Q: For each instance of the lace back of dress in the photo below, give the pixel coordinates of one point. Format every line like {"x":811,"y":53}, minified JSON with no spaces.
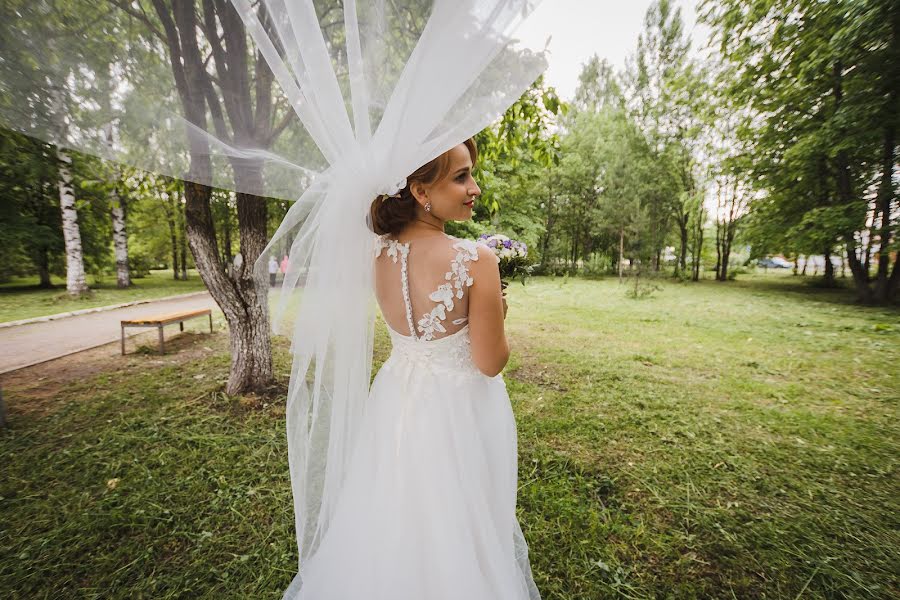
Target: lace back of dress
{"x":421,"y":285}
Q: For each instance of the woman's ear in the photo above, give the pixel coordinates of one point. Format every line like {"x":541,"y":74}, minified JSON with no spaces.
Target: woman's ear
{"x":417,"y":189}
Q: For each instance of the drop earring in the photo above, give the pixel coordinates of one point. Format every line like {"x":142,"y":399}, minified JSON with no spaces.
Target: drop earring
{"x":428,"y":207}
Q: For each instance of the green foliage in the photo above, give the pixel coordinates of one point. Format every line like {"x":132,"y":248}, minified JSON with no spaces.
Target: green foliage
{"x":139,"y":264}
{"x":30,"y":228}
{"x":820,"y":82}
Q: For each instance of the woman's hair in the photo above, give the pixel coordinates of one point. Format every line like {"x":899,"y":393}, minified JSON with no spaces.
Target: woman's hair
{"x":390,"y":214}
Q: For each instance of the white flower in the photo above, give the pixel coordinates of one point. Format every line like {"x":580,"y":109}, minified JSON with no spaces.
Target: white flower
{"x":391,"y":189}
{"x":431,"y":322}
{"x":444,"y":294}
{"x":393,"y":247}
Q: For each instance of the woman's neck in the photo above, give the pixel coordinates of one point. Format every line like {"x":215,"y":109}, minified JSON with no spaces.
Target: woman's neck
{"x":423,"y":225}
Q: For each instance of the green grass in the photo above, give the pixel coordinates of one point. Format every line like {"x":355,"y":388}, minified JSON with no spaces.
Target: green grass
{"x":22,"y":298}
{"x":733,"y":440}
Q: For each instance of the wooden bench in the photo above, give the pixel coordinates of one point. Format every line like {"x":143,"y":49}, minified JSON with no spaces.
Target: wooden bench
{"x":160,"y":321}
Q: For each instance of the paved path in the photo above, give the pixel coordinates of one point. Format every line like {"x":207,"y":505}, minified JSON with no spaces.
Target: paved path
{"x":24,"y":345}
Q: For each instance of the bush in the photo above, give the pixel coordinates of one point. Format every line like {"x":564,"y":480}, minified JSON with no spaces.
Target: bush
{"x":641,"y":286}
{"x":139,"y":265}
{"x":598,"y":265}
{"x":734,"y":271}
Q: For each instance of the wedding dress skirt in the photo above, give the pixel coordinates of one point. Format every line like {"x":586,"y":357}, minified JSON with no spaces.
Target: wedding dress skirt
{"x":428,"y":507}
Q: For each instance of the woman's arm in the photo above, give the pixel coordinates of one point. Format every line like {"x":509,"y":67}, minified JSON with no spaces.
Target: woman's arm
{"x":490,"y":350}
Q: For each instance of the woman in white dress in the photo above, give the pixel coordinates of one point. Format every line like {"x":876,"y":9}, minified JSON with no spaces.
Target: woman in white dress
{"x":403,"y":489}
{"x":427,"y":510}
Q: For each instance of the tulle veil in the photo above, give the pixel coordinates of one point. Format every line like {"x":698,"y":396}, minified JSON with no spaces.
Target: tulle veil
{"x":376,"y":87}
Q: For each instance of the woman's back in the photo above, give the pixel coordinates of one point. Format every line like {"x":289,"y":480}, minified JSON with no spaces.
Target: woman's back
{"x":421,"y":285}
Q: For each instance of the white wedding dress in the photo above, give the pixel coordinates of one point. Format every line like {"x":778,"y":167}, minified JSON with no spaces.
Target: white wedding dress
{"x":427,"y":511}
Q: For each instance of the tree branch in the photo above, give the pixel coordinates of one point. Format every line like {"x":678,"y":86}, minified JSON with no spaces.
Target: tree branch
{"x":276,"y":131}
{"x":141,"y":16}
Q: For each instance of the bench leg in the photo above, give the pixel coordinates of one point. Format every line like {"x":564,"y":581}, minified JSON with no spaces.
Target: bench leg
{"x":162,"y":342}
{"x":210,"y":323}
{"x":123,"y":340}
{"x":181,"y":325}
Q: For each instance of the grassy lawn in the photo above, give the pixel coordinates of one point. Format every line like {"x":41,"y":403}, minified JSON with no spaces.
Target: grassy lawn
{"x":733,"y":440}
{"x":21,"y":298}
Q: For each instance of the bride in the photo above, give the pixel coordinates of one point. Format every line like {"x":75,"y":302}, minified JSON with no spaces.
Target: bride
{"x":403,"y":488}
{"x":427,"y":510}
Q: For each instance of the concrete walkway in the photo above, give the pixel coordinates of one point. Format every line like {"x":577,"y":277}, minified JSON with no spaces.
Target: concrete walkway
{"x":25,"y":345}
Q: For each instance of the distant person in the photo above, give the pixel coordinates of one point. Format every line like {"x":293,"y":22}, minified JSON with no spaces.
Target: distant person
{"x":273,"y":270}
{"x":284,"y":265}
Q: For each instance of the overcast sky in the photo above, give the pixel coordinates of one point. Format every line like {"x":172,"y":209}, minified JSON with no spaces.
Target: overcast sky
{"x":581,"y":28}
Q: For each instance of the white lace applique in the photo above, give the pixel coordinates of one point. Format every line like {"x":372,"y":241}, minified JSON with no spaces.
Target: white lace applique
{"x":458,"y":274}
{"x":444,"y":294}
{"x":395,"y":248}
{"x":431,"y":322}
{"x":459,"y":269}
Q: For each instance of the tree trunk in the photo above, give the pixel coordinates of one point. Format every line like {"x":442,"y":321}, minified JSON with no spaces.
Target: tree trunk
{"x":621,"y":250}
{"x":681,"y":264}
{"x":720,"y":206}
{"x":723,"y":268}
{"x":43,"y":264}
{"x":696,"y":237}
{"x":548,"y":224}
{"x":182,"y":242}
{"x":695,"y":259}
{"x":169,"y":208}
{"x":226,"y":234}
{"x":120,"y":240}
{"x":248,"y":323}
{"x":805,"y":262}
{"x":857,"y":270}
{"x":829,"y":268}
{"x":893,"y":284}
{"x":885,"y":199}
{"x":76,"y":285}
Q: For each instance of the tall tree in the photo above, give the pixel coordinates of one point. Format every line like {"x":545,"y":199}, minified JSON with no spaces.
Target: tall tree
{"x":117,"y":207}
{"x":217,"y":79}
{"x":659,"y":63}
{"x":76,"y":283}
{"x":821,"y":79}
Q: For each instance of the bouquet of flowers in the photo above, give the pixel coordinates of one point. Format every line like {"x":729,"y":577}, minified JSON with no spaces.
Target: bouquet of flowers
{"x":513,"y":256}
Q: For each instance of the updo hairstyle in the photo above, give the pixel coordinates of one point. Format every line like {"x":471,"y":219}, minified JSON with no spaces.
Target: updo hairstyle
{"x":390,"y":214}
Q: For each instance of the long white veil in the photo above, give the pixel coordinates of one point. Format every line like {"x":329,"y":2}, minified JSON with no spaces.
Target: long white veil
{"x":376,"y":87}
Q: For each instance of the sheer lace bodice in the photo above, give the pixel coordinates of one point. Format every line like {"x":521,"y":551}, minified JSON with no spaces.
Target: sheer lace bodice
{"x":421,"y":288}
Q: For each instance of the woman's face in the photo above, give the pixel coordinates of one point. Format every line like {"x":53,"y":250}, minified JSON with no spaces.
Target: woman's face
{"x":453,"y":197}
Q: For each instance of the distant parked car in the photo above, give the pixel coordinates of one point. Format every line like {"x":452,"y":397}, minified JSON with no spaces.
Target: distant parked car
{"x":775,"y":262}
